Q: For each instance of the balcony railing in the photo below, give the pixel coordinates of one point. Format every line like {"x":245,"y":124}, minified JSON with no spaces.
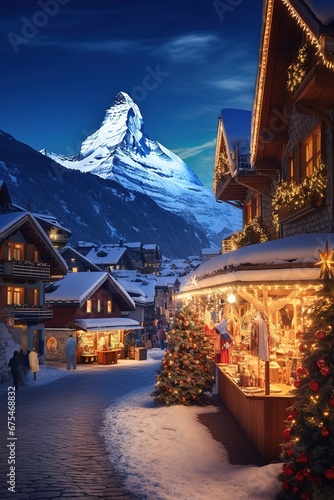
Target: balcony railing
{"x":25,"y":269}
{"x":32,"y":313}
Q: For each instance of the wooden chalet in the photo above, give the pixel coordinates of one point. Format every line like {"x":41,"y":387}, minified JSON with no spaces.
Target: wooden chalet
{"x":153,"y":258}
{"x":286,"y":194}
{"x":94,"y":308}
{"x":76,"y":262}
{"x":28,"y":261}
{"x":292,"y":122}
{"x":109,"y":257}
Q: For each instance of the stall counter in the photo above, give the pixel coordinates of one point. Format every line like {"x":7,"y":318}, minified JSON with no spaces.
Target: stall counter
{"x":261,"y":416}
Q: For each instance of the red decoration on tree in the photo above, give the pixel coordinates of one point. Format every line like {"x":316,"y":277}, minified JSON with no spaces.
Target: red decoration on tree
{"x":321,"y":363}
{"x":314,"y":386}
{"x":329,"y":474}
{"x":320,"y":334}
{"x":297,"y":383}
{"x":287,"y":433}
{"x":288,"y":470}
{"x":325,"y":432}
{"x":325,"y":371}
{"x":331,"y":401}
{"x":300,"y":475}
{"x":303,"y":457}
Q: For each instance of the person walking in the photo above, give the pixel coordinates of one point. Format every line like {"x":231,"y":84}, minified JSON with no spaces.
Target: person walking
{"x":14,"y":368}
{"x":162,"y":337}
{"x":71,"y":353}
{"x":33,"y":362}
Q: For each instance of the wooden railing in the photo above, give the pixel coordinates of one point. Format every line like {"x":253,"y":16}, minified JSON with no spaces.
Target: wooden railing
{"x":38,"y":313}
{"x":25,"y":269}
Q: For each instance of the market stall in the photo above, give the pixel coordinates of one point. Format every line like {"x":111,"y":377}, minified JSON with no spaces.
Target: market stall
{"x":258,"y":297}
{"x":103,"y":340}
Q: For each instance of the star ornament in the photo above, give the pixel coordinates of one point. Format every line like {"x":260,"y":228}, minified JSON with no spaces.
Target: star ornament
{"x":327,"y":263}
{"x":193,"y":281}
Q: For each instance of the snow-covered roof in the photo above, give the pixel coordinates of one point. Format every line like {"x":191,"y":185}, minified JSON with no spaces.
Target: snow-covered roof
{"x":237,"y":126}
{"x":108,"y":324}
{"x":78,"y":287}
{"x":286,"y":259}
{"x":79,"y":255}
{"x":13,"y":221}
{"x":106,"y":255}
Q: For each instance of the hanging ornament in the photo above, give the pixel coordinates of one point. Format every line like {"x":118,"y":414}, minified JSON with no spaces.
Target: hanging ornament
{"x":321,"y":362}
{"x":325,"y":432}
{"x":331,"y":401}
{"x":303,"y":457}
{"x":329,"y":474}
{"x":314,"y":386}
{"x":325,"y":371}
{"x":320,"y":334}
{"x":326,"y":262}
{"x":287,"y":433}
{"x":297,"y":383}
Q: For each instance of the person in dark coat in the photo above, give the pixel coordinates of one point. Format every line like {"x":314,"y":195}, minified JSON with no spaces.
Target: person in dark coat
{"x":14,"y":363}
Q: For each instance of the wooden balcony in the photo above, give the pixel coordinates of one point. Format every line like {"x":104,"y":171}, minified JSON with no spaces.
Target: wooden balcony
{"x":25,"y":269}
{"x":32,"y":314}
{"x":314,"y":203}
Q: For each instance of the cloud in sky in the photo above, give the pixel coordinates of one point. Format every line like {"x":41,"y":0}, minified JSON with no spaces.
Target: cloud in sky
{"x":189,"y":152}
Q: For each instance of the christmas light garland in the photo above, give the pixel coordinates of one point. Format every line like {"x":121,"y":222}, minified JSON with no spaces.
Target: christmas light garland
{"x":297,"y":70}
{"x":253,"y":228}
{"x":293,"y":196}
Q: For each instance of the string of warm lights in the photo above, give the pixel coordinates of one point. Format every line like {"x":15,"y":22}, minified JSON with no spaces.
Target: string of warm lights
{"x":222,"y":168}
{"x":297,"y":70}
{"x":313,"y":39}
{"x":293,"y":196}
{"x":252,"y":230}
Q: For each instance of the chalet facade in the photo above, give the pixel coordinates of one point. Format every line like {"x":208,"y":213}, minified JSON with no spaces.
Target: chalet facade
{"x":265,"y":288}
{"x":92,"y":307}
{"x":28,"y":261}
{"x":109,"y":257}
{"x":288,"y":188}
{"x":76,"y":262}
{"x":292,"y":124}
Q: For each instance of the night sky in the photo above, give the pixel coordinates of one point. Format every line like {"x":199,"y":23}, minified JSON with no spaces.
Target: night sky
{"x":64,"y":61}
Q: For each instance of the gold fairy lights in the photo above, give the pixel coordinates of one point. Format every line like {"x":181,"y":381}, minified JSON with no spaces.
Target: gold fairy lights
{"x":293,"y":196}
{"x":297,"y":70}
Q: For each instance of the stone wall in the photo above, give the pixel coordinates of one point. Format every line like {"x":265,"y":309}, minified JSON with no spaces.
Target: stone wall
{"x":321,"y":220}
{"x":55,"y":342}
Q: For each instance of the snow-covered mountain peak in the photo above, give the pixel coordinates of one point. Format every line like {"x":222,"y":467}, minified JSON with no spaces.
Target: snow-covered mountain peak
{"x":123,"y":122}
{"x":120,"y":150}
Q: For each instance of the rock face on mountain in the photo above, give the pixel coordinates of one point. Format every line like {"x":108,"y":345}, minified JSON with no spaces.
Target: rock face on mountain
{"x":120,"y":151}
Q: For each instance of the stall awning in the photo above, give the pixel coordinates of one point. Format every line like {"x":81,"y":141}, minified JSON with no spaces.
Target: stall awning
{"x":108,"y":324}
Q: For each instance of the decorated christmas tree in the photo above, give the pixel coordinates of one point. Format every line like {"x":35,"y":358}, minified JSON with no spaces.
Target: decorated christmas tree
{"x":186,"y":375}
{"x":308,"y":447}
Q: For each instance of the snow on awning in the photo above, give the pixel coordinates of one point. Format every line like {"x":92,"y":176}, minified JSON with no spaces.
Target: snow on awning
{"x":108,"y":324}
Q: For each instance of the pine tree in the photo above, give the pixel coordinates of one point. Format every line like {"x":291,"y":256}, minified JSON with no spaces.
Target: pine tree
{"x":308,"y":447}
{"x":185,"y":375}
